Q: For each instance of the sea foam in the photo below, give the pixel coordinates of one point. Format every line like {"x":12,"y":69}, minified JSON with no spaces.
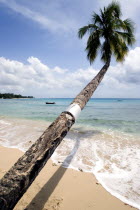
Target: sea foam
{"x":112,"y":156}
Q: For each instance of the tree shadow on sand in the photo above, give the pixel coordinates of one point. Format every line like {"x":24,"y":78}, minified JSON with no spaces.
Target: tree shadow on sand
{"x":43,"y":195}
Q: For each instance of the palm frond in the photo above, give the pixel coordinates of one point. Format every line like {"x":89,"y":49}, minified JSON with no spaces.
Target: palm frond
{"x":96,"y":19}
{"x":82,"y":31}
{"x":93,"y":44}
{"x":121,"y":52}
{"x":117,"y":34}
{"x":105,"y":51}
{"x":118,"y":47}
{"x":129,"y":26}
{"x":102,"y":15}
{"x":127,"y":37}
{"x":114,"y":9}
{"x":89,"y":28}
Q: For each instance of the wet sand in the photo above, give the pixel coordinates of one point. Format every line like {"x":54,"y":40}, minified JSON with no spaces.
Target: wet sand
{"x":57,"y":188}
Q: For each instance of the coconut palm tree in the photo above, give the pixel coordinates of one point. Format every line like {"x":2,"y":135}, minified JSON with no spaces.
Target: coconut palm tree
{"x":107,"y":33}
{"x":110,"y":35}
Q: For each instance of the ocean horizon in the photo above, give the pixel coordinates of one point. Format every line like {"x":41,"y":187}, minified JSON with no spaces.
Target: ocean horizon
{"x":105,"y":139}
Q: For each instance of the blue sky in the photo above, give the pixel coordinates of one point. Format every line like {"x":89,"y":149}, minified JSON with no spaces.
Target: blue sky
{"x":41,"y":54}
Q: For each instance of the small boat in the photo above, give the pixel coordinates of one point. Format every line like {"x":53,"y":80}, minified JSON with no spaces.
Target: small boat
{"x":50,"y":102}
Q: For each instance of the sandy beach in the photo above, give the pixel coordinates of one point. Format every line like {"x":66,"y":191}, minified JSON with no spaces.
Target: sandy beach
{"x":57,"y":188}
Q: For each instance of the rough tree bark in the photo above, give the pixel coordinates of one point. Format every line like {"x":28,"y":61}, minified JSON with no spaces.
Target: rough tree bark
{"x":83,"y":97}
{"x":18,"y":179}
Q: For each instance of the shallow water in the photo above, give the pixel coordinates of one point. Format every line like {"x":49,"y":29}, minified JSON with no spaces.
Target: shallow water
{"x":105,"y":139}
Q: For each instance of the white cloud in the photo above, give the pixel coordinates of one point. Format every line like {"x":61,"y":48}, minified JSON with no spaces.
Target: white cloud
{"x":47,"y":22}
{"x":59,"y":70}
{"x":36,"y":78}
{"x":67,"y":15}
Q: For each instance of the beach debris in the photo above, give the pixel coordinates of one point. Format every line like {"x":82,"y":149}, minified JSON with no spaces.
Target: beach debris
{"x":128,"y":205}
{"x":54,"y":164}
{"x":53,"y":203}
{"x":80,"y":169}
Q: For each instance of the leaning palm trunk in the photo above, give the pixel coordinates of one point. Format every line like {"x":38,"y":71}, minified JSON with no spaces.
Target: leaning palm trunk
{"x":17,"y":180}
{"x":83,"y":97}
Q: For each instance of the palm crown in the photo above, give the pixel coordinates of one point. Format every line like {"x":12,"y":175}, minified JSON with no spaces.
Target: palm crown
{"x":108,"y":33}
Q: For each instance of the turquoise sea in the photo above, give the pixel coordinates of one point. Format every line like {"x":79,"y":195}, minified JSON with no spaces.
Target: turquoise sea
{"x":105,"y":139}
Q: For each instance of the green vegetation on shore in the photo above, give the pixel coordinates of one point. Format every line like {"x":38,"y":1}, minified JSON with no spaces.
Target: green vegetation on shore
{"x":12,"y":95}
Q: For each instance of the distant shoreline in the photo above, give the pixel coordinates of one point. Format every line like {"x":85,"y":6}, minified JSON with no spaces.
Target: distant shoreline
{"x":13,"y":96}
{"x":16,"y":98}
